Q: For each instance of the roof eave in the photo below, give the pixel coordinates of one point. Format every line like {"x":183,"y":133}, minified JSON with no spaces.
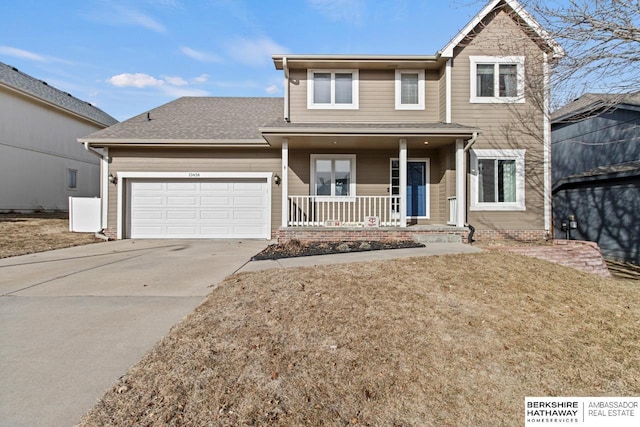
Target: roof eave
{"x":140,"y":142}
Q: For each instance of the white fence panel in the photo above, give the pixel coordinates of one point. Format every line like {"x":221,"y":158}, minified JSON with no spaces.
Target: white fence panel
{"x":84,"y":214}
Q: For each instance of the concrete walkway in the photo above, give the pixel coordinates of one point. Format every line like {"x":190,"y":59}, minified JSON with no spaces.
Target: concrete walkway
{"x":72,"y":321}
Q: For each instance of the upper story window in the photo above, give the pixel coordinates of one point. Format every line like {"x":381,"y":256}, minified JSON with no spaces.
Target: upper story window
{"x":332,"y":89}
{"x":496,"y":79}
{"x":497,"y":180}
{"x":409,"y":89}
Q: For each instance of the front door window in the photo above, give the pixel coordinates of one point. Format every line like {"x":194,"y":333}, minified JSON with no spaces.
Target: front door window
{"x":417,"y":187}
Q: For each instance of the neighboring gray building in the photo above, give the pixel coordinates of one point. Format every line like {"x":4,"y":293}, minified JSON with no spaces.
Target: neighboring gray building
{"x":41,"y":163}
{"x":596,"y":172}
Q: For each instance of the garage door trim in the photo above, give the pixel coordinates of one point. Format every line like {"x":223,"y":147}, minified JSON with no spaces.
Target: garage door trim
{"x":122,"y":176}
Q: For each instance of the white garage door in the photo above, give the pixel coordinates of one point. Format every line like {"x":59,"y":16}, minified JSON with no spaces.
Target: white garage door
{"x":207,"y":208}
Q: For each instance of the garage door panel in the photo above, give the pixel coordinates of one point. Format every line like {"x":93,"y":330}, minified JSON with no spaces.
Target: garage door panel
{"x":248,"y":215}
{"x":149,"y":186}
{"x":178,"y":215}
{"x":148,"y":214}
{"x":215,"y":201}
{"x":247,"y":201}
{"x":181,"y":201}
{"x":207,"y":208}
{"x":182,"y":186}
{"x":148,"y":201}
{"x":215,"y":215}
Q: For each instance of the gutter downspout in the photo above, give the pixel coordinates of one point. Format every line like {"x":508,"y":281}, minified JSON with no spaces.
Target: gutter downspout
{"x":471,"y":141}
{"x":285,"y":68}
{"x":104,"y":184}
{"x":467,"y":147}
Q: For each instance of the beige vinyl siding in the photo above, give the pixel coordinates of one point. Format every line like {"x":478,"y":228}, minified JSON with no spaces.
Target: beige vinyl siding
{"x":502,"y":125}
{"x":195,"y":160}
{"x":373,"y":170}
{"x":376,"y":100}
{"x":442,"y":89}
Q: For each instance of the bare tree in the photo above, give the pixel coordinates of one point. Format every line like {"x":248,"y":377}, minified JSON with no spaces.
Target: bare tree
{"x":602,"y":43}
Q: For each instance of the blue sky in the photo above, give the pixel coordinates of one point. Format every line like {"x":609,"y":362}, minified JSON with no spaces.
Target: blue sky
{"x":127,"y":57}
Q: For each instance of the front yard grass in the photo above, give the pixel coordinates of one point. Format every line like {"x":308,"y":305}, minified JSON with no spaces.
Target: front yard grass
{"x":434,"y":341}
{"x":22,"y":234}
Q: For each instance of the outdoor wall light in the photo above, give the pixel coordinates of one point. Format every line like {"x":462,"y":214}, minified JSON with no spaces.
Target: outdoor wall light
{"x":112,"y":179}
{"x":277,"y":179}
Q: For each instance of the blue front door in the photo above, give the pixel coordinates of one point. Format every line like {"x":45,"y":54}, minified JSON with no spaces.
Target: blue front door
{"x":416,"y":189}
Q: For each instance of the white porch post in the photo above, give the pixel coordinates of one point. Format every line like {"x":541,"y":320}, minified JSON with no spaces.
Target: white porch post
{"x":461,"y":184}
{"x":403,"y":182}
{"x":285,"y":182}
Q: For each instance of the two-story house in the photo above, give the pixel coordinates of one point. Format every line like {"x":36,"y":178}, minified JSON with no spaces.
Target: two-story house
{"x":41,"y":165}
{"x":359,"y":147}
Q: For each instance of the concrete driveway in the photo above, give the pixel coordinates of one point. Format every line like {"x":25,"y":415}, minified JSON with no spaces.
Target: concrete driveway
{"x":72,"y":321}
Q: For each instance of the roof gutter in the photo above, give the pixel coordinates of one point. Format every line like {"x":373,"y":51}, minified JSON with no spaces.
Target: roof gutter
{"x":87,"y":146}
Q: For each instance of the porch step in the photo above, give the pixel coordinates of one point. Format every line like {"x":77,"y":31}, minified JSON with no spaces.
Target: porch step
{"x":437,"y":238}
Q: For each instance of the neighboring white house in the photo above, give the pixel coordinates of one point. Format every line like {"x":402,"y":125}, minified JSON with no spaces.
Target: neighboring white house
{"x":41,"y":163}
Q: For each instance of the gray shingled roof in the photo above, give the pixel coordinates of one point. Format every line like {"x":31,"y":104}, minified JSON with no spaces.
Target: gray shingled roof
{"x":589,"y":103}
{"x":12,"y":77}
{"x":616,"y":171}
{"x":197,"y":118}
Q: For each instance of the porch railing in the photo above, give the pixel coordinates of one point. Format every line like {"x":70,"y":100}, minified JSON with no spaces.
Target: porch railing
{"x":453,"y":210}
{"x":356,"y":211}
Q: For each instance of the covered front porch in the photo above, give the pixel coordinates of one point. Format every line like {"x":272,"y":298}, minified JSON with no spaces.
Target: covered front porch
{"x":357,"y":180}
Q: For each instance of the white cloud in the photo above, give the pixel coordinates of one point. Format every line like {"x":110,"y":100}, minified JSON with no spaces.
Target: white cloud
{"x":136,"y":80}
{"x":175,"y":81}
{"x":272,"y":89}
{"x":202,"y":78}
{"x":199,"y":55}
{"x":174,"y":86}
{"x":20,"y":53}
{"x":340,"y":10}
{"x":256,"y":52}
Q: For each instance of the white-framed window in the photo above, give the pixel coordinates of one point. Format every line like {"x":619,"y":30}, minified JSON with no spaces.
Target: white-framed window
{"x":72,"y":179}
{"x":497,"y":180}
{"x":333,"y":175}
{"x":332,"y":89}
{"x":409,"y":89}
{"x":497,"y":79}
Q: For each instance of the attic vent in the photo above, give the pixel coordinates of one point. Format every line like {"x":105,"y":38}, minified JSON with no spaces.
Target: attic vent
{"x":68,"y":94}
{"x":14,"y":69}
{"x":45,"y":83}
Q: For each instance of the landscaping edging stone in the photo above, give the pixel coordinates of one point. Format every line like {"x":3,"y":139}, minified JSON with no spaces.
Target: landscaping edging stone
{"x":579,"y":254}
{"x":294,"y":248}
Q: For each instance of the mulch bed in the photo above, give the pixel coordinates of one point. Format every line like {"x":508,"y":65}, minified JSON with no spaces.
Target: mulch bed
{"x":295,"y":248}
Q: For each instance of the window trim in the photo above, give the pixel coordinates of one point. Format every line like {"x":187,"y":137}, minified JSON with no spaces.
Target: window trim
{"x":496,"y":61}
{"x":312,"y":176}
{"x":497,"y":154}
{"x":67,"y":179}
{"x":332,"y":105}
{"x":421,"y":90}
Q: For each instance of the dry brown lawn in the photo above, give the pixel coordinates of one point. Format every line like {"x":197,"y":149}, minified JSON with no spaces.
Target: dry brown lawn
{"x":436,"y":341}
{"x":22,"y":234}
